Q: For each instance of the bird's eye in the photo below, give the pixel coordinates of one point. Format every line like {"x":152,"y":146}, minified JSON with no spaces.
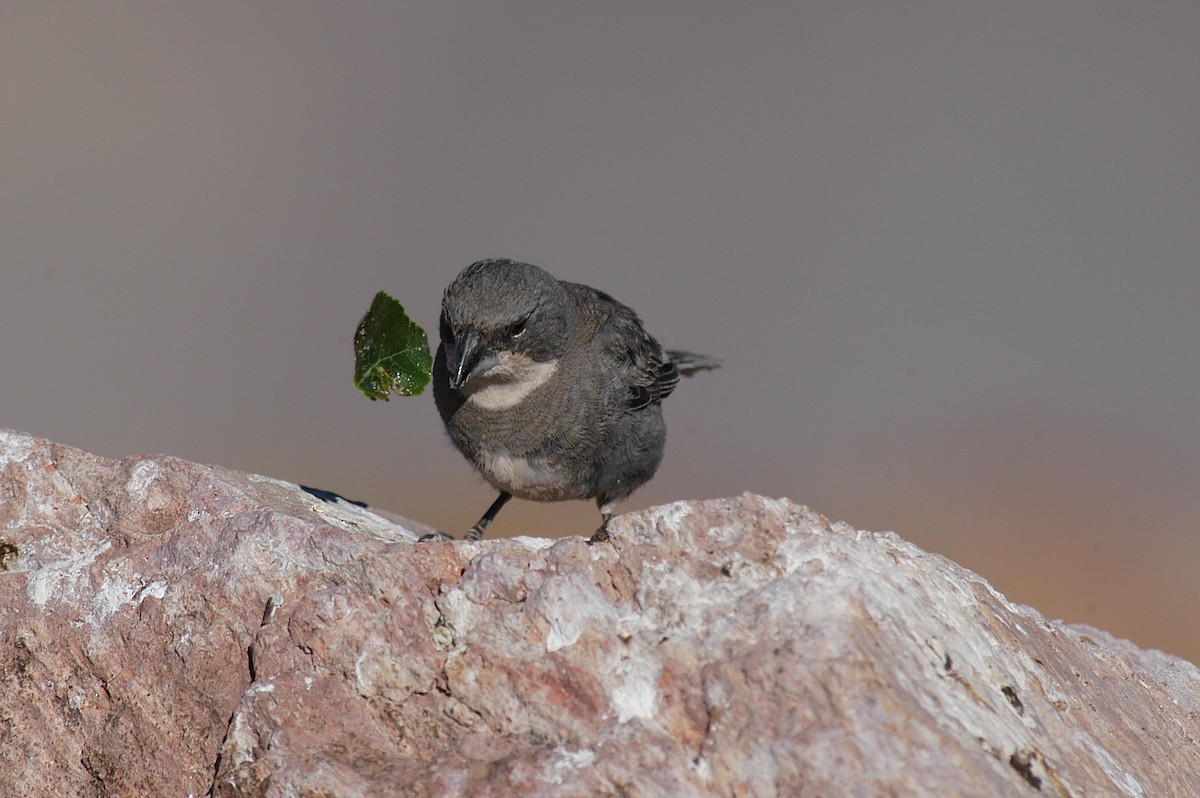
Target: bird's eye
{"x":518,"y":329}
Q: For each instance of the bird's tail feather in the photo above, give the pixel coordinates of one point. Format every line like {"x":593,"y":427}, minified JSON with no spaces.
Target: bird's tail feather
{"x":689,"y":363}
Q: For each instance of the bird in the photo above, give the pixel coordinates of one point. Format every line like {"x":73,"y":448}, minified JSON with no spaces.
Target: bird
{"x":552,"y":390}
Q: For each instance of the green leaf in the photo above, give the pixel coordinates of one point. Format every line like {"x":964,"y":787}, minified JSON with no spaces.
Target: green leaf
{"x":391,"y":352}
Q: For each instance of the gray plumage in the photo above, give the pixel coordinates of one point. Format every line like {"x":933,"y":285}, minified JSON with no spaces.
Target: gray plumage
{"x":552,"y":389}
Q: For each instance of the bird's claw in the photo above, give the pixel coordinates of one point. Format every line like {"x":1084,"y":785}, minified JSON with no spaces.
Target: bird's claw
{"x":600,"y":536}
{"x":474,"y":533}
{"x":435,"y":537}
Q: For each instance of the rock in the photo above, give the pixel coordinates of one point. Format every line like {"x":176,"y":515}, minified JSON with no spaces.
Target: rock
{"x":178,"y":629}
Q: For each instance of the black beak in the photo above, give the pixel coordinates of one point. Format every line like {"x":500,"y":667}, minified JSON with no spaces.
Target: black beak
{"x":462,"y":357}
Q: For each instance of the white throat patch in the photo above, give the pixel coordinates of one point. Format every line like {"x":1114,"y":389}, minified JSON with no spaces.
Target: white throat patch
{"x":507,"y":383}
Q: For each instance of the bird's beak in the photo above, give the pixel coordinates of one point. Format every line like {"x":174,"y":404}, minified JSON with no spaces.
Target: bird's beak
{"x":465,"y":359}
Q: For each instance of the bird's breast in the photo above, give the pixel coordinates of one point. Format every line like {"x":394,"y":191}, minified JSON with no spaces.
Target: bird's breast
{"x":524,"y":477}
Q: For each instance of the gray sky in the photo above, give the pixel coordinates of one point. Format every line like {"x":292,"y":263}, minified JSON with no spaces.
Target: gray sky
{"x":950,"y":253}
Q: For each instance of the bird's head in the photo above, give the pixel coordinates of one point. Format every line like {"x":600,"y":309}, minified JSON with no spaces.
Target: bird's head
{"x":504,"y":324}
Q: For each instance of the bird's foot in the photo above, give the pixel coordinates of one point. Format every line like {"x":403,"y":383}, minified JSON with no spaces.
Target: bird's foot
{"x":474,"y":533}
{"x":435,"y":537}
{"x":600,"y":536}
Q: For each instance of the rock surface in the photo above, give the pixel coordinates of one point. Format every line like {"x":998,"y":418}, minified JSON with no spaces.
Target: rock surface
{"x":178,"y":629}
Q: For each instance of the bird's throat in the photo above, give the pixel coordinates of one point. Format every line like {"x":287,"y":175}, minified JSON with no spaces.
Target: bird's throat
{"x":506,"y":384}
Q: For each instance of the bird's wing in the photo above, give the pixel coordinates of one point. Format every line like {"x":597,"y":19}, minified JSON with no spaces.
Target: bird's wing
{"x":648,"y":371}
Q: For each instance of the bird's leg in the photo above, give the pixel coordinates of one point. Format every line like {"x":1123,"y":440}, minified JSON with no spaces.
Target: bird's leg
{"x":606,"y":513}
{"x":476,"y":532}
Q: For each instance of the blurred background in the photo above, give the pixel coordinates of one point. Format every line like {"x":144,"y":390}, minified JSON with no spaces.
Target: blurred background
{"x":950,"y":253}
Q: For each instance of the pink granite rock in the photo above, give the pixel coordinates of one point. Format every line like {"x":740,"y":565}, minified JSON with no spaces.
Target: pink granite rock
{"x":177,"y":629}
